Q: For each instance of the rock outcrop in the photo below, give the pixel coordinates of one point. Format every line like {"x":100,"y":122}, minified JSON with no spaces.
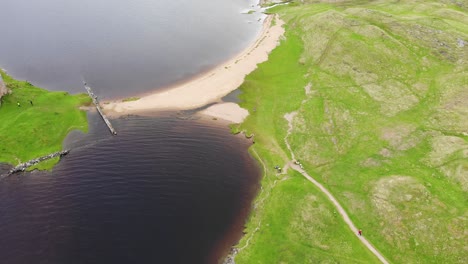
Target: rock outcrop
{"x":3,"y":89}
{"x":24,"y":166}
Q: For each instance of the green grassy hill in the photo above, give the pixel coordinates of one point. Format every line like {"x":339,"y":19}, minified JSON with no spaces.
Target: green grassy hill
{"x":32,"y":130}
{"x":379,"y":90}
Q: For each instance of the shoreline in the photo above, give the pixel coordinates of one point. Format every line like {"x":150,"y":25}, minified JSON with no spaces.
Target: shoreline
{"x":211,"y":86}
{"x":29,"y":113}
{"x":230,"y":112}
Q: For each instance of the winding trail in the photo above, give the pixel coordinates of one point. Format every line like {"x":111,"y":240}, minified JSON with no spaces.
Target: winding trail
{"x":289,"y":117}
{"x":341,"y":211}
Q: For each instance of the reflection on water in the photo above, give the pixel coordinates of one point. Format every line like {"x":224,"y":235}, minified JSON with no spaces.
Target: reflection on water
{"x":163,"y":191}
{"x":121,"y":47}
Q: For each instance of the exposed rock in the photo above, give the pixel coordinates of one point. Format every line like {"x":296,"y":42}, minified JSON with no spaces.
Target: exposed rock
{"x":3,"y":89}
{"x":24,"y":166}
{"x":461,"y":43}
{"x":230,"y":258}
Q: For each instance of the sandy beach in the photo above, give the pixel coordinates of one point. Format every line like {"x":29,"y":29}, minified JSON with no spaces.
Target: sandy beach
{"x":211,"y":86}
{"x":227,"y":111}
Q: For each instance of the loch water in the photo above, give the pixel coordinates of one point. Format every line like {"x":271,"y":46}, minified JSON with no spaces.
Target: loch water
{"x":165,"y":190}
{"x":168,"y":188}
{"x":121,"y":47}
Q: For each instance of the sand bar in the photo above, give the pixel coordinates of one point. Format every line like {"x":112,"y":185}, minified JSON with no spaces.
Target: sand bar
{"x":228,"y":111}
{"x":211,"y":86}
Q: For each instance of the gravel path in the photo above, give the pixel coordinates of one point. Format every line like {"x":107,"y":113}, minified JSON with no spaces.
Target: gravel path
{"x":289,"y":117}
{"x":341,"y":211}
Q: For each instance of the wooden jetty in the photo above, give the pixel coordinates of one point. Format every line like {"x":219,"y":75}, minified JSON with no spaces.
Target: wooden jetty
{"x":98,"y":107}
{"x":24,"y":166}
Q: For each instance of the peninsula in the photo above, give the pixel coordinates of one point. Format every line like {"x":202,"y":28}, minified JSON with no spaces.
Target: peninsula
{"x":210,"y":86}
{"x":34,"y":122}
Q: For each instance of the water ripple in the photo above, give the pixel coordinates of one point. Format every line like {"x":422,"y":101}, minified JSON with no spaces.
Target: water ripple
{"x":163,"y":191}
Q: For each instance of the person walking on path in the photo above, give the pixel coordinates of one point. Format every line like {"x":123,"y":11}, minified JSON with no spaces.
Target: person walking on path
{"x":18,"y":104}
{"x":341,"y":211}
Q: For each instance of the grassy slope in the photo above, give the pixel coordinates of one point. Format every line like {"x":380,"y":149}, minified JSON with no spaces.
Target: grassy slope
{"x":298,"y":224}
{"x":383,"y":128}
{"x":28,"y":132}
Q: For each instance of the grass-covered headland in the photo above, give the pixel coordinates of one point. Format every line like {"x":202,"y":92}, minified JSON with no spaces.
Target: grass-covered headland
{"x":34,"y":122}
{"x":377,"y":92}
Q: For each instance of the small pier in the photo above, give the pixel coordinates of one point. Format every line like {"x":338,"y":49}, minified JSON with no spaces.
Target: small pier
{"x":98,"y":107}
{"x":23,"y":166}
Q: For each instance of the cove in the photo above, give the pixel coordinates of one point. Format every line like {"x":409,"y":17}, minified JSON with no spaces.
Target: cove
{"x":165,"y":190}
{"x":122,"y":48}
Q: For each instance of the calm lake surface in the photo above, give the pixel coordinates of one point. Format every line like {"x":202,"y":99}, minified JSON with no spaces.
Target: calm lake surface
{"x":121,"y":47}
{"x":164,"y":190}
{"x":167,"y":189}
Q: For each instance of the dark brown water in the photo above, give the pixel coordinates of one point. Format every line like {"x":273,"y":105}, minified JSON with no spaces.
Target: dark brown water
{"x":164,"y":190}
